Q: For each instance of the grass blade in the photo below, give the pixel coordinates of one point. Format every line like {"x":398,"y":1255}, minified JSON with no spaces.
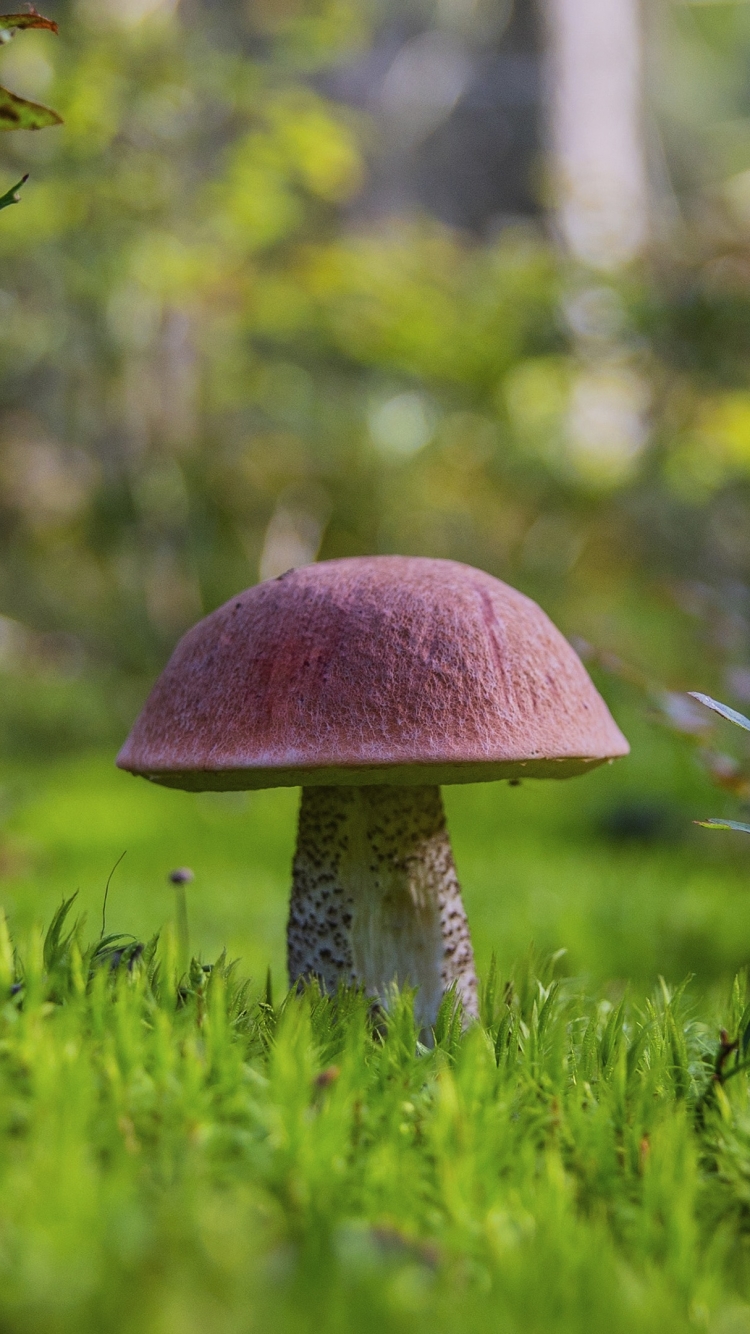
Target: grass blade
{"x":737,"y":825}
{"x":724,"y":710}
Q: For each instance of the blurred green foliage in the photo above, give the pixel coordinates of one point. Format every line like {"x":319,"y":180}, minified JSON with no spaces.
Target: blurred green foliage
{"x":208,"y":373}
{"x":204,"y":378}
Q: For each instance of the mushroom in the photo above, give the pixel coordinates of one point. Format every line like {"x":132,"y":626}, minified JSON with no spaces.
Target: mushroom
{"x":369,"y":682}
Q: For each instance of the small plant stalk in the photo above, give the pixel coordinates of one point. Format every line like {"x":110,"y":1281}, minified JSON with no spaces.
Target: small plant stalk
{"x":182,"y":929}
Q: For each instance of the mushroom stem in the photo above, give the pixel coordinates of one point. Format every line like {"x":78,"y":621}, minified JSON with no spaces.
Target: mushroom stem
{"x":375,"y":896}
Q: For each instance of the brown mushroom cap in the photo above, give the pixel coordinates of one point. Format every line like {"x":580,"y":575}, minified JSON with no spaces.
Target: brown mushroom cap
{"x":377,"y":669}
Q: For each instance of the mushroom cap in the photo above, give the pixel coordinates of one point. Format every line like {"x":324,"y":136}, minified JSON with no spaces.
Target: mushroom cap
{"x":376,"y":669}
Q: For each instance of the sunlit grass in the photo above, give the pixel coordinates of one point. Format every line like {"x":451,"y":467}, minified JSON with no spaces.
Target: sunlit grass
{"x":185,"y":1155}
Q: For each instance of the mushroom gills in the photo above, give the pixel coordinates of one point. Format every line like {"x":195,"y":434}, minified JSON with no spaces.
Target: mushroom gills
{"x":376,"y":899}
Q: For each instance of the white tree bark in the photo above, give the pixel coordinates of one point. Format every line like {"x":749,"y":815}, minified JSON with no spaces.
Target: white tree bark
{"x":595,"y":129}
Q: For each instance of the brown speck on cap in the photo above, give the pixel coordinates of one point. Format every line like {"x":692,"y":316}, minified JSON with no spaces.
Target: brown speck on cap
{"x":372,"y":670}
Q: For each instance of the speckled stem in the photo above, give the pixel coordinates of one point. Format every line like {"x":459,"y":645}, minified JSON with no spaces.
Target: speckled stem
{"x":375,"y":896}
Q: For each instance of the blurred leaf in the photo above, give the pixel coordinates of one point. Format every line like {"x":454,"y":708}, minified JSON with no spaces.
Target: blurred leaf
{"x":30,"y":20}
{"x":725,"y":824}
{"x":726,"y":772}
{"x":18,"y":114}
{"x":11,"y":196}
{"x":724,"y":710}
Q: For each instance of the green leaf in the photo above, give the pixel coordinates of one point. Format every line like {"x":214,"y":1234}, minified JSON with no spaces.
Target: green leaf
{"x":32,"y":19}
{"x":731,"y":715}
{"x":724,"y":824}
{"x":18,"y":114}
{"x":11,"y":196}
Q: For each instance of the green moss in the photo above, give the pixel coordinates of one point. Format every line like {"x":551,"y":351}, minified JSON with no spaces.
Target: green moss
{"x":190,"y":1158}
